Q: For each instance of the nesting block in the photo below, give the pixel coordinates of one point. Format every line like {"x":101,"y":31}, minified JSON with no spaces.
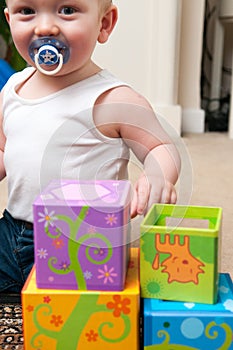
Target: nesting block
{"x":78,"y":320}
{"x":180,"y":252}
{"x":177,"y":325}
{"x":82,"y":235}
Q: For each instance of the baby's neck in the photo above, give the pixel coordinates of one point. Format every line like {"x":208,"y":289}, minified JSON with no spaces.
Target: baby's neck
{"x":38,"y":85}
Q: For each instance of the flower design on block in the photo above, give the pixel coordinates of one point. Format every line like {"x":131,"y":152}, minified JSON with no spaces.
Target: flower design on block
{"x":30,"y":308}
{"x":87,"y":275}
{"x":56,"y":320}
{"x":58,"y":243}
{"x":42,"y":253}
{"x":119,"y":305}
{"x":47,"y":218}
{"x":47,"y":299}
{"x":64,"y":266}
{"x":107,"y":274}
{"x":91,"y":229}
{"x":111,"y":219}
{"x":91,"y":336}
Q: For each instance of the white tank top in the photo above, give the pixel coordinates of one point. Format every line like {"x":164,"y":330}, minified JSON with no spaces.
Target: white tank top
{"x":54,"y":137}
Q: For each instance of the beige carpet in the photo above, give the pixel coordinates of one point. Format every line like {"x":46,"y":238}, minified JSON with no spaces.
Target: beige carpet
{"x":212,"y":161}
{"x":211,"y":184}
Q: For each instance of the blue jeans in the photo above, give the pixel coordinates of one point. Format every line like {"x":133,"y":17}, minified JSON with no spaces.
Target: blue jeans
{"x":16,"y":253}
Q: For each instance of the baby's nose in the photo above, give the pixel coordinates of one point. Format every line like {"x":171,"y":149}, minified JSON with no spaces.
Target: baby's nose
{"x":46,"y":26}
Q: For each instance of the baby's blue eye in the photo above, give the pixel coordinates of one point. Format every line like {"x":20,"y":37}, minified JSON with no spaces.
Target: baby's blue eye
{"x":27,"y":11}
{"x":67,"y":10}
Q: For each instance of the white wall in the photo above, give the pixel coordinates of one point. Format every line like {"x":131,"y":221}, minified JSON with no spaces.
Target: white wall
{"x":190,"y":58}
{"x":127,"y":51}
{"x":192,"y":26}
{"x":146,"y":49}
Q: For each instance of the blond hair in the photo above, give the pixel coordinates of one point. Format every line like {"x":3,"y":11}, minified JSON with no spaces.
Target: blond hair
{"x":105,"y":4}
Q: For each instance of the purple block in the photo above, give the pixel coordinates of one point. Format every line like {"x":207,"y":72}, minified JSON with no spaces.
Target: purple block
{"x":82,"y":235}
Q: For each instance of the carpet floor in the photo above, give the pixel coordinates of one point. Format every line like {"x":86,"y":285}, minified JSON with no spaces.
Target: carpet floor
{"x":11,"y":331}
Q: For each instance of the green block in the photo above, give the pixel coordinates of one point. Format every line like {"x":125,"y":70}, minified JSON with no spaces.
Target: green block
{"x":180,"y":252}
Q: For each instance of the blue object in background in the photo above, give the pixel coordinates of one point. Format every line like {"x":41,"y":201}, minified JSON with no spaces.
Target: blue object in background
{"x":177,"y":325}
{"x":5,"y":72}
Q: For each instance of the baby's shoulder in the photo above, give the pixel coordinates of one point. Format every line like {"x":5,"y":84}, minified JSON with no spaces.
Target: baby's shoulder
{"x":123,"y":94}
{"x":118,"y":107}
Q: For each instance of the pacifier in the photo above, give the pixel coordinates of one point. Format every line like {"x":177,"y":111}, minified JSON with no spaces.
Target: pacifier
{"x":49,"y":51}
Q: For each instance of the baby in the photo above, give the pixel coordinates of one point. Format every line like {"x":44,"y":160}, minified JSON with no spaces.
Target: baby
{"x":66,"y":117}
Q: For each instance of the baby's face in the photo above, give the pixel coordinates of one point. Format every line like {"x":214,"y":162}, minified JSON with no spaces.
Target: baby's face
{"x":76,"y":23}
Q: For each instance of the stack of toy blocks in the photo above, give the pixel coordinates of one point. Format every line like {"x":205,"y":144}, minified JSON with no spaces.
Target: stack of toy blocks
{"x":83,"y":292}
{"x":186,"y":303}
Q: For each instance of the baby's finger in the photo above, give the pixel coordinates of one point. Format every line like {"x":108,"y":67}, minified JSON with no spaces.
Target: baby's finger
{"x":143,"y":192}
{"x":174,"y":197}
{"x":155,"y":197}
{"x":168,"y":195}
{"x":134,"y":204}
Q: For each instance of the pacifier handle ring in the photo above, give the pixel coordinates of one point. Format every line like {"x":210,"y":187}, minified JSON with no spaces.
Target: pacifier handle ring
{"x":52,"y":72}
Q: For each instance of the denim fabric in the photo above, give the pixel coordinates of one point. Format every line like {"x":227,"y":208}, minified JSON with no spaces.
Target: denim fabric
{"x":16,"y":253}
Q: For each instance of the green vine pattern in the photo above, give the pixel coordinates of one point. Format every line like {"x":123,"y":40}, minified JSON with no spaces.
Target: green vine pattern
{"x":74,"y":245}
{"x":228,"y":331}
{"x":209,"y":329}
{"x":69,"y":334}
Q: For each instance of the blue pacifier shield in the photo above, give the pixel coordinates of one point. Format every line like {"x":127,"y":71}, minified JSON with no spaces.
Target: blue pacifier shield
{"x":48,"y":50}
{"x":48,"y":55}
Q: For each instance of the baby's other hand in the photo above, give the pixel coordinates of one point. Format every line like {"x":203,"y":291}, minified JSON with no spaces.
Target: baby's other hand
{"x":150,"y":190}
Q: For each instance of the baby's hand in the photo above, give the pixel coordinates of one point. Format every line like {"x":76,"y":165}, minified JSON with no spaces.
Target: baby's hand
{"x":150,"y":190}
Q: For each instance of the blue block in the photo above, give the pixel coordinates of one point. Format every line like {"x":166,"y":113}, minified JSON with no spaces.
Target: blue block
{"x":5,"y":72}
{"x":176,"y":325}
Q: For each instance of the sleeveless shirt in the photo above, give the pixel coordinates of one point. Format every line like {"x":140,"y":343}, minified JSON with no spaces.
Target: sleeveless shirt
{"x":55,"y":137}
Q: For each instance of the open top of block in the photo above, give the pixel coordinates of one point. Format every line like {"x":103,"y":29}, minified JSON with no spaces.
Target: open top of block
{"x":92,"y":193}
{"x":196,"y":219}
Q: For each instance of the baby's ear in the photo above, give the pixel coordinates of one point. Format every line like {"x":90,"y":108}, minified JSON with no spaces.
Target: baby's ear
{"x":6,"y":13}
{"x":108,"y":22}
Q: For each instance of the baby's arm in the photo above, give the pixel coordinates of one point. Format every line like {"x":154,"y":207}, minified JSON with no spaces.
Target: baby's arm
{"x":2,"y":143}
{"x":156,"y":183}
{"x":129,"y":116}
{"x":159,"y":156}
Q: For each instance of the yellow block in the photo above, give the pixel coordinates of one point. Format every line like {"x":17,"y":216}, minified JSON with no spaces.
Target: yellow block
{"x":80,"y":320}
